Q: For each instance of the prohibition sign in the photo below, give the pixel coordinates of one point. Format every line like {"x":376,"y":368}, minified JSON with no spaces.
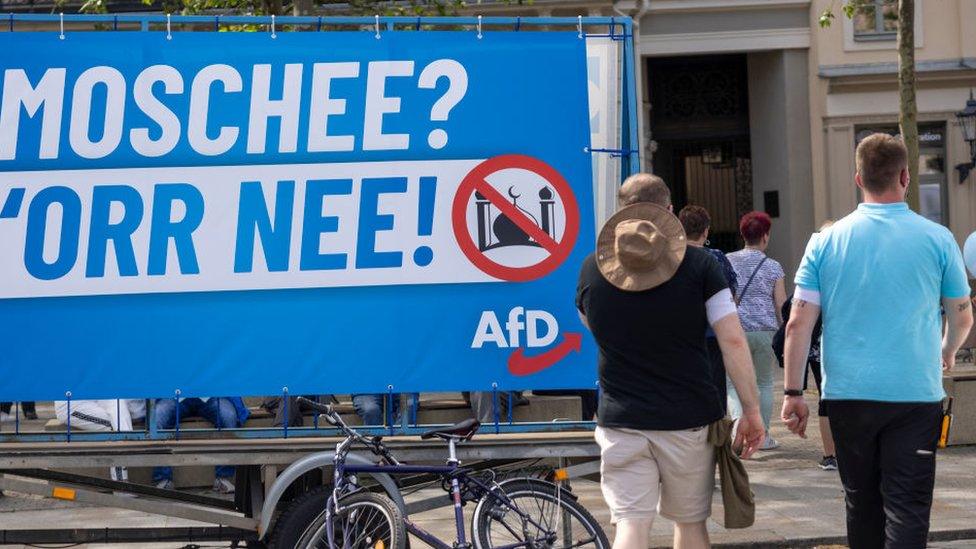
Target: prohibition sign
{"x":476,"y":181}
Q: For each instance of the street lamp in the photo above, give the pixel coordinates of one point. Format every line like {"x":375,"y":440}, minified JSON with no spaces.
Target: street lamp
{"x":967,"y":119}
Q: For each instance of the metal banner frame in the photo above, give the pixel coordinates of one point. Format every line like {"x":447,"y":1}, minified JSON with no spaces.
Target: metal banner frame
{"x":617,"y":29}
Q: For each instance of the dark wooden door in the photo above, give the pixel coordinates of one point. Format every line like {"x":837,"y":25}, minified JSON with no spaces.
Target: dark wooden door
{"x":700,"y":126}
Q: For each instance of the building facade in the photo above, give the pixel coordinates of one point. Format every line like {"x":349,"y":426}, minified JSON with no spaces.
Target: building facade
{"x":726,"y":112}
{"x":854,"y":91}
{"x":750,"y":104}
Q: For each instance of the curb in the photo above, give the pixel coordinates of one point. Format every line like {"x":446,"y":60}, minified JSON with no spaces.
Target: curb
{"x":942,"y":535}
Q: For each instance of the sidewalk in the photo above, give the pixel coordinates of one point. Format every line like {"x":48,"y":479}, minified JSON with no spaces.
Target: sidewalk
{"x":798,"y":505}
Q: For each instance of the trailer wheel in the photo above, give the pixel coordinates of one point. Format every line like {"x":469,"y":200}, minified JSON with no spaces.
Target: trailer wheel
{"x":296,"y":516}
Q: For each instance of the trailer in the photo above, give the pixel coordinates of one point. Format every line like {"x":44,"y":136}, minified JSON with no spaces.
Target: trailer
{"x":272,"y":467}
{"x":208,"y":293}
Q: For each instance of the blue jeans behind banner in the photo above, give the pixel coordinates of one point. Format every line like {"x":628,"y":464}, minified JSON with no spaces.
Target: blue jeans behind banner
{"x":218,"y":411}
{"x":369,"y":407}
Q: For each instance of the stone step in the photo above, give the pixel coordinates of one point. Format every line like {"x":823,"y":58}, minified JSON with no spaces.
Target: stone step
{"x":432,"y":411}
{"x":960,"y":384}
{"x":258,"y":418}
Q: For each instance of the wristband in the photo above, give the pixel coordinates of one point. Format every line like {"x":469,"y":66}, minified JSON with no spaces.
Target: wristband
{"x":793,"y":392}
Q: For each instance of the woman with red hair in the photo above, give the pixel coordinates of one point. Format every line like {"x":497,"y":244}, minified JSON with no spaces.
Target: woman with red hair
{"x":762,"y":293}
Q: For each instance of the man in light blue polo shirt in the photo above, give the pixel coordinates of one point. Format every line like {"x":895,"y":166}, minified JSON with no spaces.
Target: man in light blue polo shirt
{"x":881,"y":277}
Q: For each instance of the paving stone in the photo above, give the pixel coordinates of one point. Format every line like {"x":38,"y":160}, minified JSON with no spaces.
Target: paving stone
{"x":798,"y":505}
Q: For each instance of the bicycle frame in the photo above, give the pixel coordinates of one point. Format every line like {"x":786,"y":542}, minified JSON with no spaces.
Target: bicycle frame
{"x":452,"y":470}
{"x":445,"y":470}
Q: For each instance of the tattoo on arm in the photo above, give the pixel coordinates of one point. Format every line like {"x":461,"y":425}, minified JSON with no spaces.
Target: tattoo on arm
{"x":963,"y":307}
{"x":799,"y":303}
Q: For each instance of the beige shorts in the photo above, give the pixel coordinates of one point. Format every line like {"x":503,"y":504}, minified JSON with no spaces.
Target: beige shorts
{"x":671,"y":473}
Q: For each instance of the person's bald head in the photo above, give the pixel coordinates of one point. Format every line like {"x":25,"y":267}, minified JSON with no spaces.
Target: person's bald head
{"x":644,"y":187}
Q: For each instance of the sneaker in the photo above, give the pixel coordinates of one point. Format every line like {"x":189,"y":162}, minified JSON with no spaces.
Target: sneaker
{"x":6,"y":418}
{"x":166,"y":484}
{"x":828,"y":463}
{"x":769,"y":444}
{"x":223,"y":486}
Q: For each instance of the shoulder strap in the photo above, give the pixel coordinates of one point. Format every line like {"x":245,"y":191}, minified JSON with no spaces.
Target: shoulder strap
{"x":749,"y":282}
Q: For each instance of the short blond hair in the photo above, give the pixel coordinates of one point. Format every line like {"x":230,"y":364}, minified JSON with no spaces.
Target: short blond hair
{"x":880,"y":160}
{"x":644,"y":187}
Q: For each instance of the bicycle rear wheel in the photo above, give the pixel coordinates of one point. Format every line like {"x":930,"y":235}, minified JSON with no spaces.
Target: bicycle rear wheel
{"x":365,"y":521}
{"x":549,"y":519}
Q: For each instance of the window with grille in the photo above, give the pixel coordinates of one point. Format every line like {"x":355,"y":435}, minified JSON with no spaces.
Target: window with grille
{"x":876,"y":20}
{"x":931,"y":167}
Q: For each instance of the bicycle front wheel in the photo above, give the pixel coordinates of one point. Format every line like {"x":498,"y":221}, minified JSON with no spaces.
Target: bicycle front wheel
{"x":537,"y":516}
{"x":364,"y":521}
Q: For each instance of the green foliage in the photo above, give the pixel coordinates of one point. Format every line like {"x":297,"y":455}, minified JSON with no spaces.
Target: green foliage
{"x":281,"y":7}
{"x":408,"y":8}
{"x":92,"y":6}
{"x":849,"y":8}
{"x":826,"y":18}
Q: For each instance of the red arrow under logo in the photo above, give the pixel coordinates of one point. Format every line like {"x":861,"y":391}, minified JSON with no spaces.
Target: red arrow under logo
{"x":521,"y":365}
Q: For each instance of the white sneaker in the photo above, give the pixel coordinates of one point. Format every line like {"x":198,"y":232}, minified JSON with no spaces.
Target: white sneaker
{"x":223,"y":486}
{"x":166,"y":485}
{"x":769,"y":444}
{"x":6,"y":418}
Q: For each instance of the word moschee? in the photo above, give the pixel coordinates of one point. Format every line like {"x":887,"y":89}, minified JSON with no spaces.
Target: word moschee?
{"x":96,"y":104}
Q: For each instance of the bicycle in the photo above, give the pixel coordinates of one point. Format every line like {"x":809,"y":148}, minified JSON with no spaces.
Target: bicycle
{"x":513,"y":514}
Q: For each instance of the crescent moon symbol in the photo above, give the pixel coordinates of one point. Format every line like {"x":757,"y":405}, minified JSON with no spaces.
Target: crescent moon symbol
{"x":511,"y":194}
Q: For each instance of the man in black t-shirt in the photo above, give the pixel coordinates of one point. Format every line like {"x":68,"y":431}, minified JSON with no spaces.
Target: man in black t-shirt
{"x":647,"y":297}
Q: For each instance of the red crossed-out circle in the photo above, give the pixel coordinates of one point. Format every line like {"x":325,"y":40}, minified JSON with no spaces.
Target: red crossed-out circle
{"x":476,"y":181}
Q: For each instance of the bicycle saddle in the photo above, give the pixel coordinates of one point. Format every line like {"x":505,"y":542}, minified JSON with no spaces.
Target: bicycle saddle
{"x":461,"y":431}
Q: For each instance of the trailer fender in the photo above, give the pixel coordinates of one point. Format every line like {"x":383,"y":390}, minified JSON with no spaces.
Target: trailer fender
{"x":539,"y":482}
{"x":316,"y":461}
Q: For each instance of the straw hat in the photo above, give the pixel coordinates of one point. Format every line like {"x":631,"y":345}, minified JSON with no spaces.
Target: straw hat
{"x":640,"y":247}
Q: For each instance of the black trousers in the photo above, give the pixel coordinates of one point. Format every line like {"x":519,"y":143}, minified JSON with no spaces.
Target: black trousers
{"x":814,"y":367}
{"x":27,"y":406}
{"x":886,"y":456}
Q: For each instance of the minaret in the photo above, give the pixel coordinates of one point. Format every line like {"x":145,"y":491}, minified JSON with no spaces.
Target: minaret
{"x":484,"y":221}
{"x":548,"y":212}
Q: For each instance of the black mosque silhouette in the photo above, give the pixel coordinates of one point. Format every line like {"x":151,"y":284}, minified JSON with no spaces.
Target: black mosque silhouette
{"x":497,"y":230}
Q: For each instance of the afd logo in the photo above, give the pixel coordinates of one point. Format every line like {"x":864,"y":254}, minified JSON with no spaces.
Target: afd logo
{"x":540,"y":329}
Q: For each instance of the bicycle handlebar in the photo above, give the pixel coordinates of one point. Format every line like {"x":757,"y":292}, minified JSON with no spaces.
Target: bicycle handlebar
{"x":317,"y":406}
{"x":373,"y":443}
{"x":326,"y":410}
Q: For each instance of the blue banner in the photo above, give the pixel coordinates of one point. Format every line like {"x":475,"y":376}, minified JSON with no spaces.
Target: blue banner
{"x":331,"y":212}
